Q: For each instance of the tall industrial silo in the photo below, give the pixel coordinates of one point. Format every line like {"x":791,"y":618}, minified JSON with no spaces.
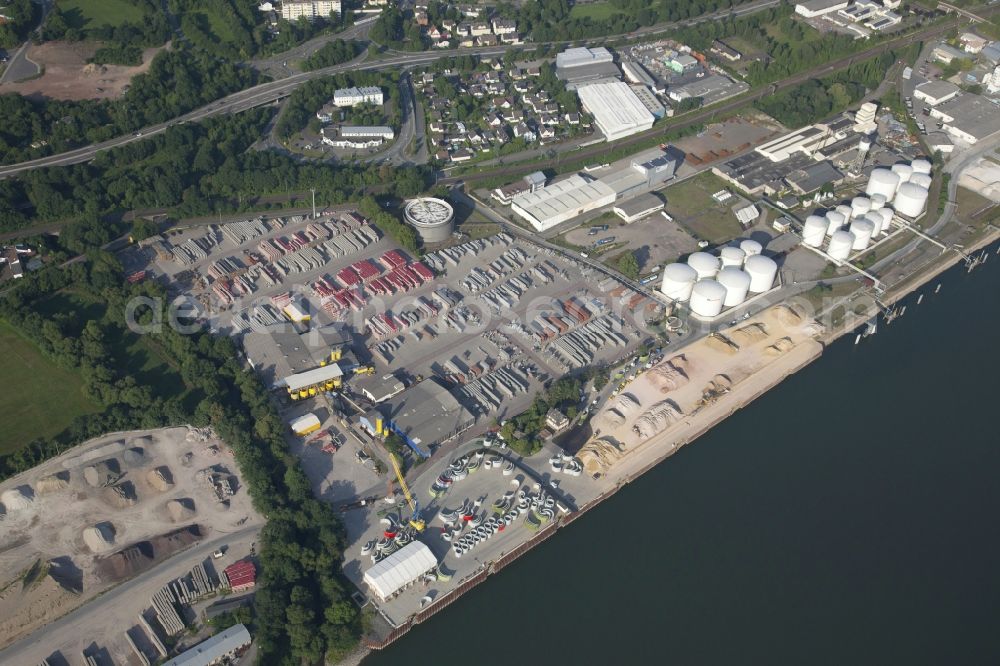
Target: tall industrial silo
{"x":678,"y":280}
{"x":737,"y":284}
{"x":762,"y":271}
{"x":814,"y":230}
{"x":911,"y":200}
{"x":707,"y":298}
{"x":732,"y":256}
{"x":706,"y":265}
{"x":840,"y":245}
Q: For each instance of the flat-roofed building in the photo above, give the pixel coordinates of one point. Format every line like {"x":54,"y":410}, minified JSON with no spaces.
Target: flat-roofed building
{"x":711,"y":88}
{"x":806,"y":140}
{"x":223,"y":647}
{"x":814,"y":8}
{"x":813,"y":176}
{"x":649,"y":100}
{"x":293,"y":10}
{"x":353,"y":96}
{"x":968,"y":118}
{"x":617,"y":111}
{"x":577,"y":67}
{"x":936,"y":92}
{"x":562,"y":200}
{"x":425,"y":415}
{"x":639,"y":207}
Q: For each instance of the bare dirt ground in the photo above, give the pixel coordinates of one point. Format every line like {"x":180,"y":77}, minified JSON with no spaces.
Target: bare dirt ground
{"x":68,"y":76}
{"x":69,"y":526}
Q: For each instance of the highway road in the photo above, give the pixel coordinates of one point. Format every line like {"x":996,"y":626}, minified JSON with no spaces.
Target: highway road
{"x":267,"y":93}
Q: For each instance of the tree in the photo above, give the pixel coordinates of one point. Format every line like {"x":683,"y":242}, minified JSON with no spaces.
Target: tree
{"x":628,"y":265}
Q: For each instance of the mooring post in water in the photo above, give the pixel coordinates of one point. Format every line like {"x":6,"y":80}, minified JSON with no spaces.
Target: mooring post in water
{"x":938,"y":288}
{"x":920,"y":298}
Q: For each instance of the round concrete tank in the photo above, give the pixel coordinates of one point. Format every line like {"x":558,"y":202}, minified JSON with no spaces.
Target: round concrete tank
{"x":921,"y":166}
{"x":845,"y":211}
{"x":814,"y":230}
{"x":878,"y":201}
{"x":732,"y":256}
{"x":862,"y":228}
{"x":751,"y":247}
{"x":737,"y":284}
{"x":840,"y":245}
{"x":884,"y":182}
{"x":860,"y":206}
{"x":707,"y":298}
{"x":923,"y":180}
{"x":678,"y":279}
{"x":911,"y":200}
{"x":834,"y":221}
{"x":434,"y":219}
{"x":706,"y":265}
{"x":762,"y":271}
{"x":904,"y":171}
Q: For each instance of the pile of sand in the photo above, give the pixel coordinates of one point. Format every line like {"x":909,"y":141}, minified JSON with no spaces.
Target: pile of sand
{"x":779,"y":347}
{"x":134,"y":457}
{"x":624,"y":405}
{"x":123,"y":494}
{"x":667,"y":377}
{"x":787,"y":315}
{"x":103,"y":473}
{"x":181,"y":509}
{"x":17,"y":499}
{"x":720,"y":343}
{"x":598,"y":455}
{"x":52,"y":483}
{"x":749,"y":334}
{"x":160,"y":478}
{"x":100,"y":538}
{"x":142,"y":442}
{"x":657,"y":418}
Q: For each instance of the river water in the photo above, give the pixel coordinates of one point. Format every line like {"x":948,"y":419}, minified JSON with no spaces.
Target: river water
{"x":849,"y":516}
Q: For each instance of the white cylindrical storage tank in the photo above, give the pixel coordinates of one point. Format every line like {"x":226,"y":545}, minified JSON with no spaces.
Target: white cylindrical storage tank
{"x":845,"y":211}
{"x":860,"y":206}
{"x":762,"y":271}
{"x":875,"y":217}
{"x":732,"y":256}
{"x":923,"y":180}
{"x":865,"y":144}
{"x":737,"y":284}
{"x":678,"y":279}
{"x":814,"y":230}
{"x":834,"y":221}
{"x":862,"y":228}
{"x":904,"y":171}
{"x":921,"y":166}
{"x":751,"y":247}
{"x":884,"y":182}
{"x":707,"y":298}
{"x":840,"y":245}
{"x":705,"y":264}
{"x":878,"y":201}
{"x":887,"y":215}
{"x":910,"y":200}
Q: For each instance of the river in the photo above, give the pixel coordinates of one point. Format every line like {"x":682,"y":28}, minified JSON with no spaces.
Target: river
{"x":849,"y":516}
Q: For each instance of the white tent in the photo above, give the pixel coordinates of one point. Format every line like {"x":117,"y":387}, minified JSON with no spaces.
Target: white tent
{"x":400,"y":569}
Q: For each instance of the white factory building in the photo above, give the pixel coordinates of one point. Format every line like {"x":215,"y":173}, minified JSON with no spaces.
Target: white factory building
{"x":807,"y":140}
{"x":936,"y":92}
{"x":354,"y":96}
{"x":293,"y":10}
{"x":562,"y":200}
{"x":617,"y":110}
{"x":814,"y":8}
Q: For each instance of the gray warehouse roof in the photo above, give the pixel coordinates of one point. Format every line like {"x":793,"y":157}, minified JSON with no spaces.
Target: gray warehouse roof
{"x":812,"y":177}
{"x":281,"y":350}
{"x":214,"y":648}
{"x":639,"y":204}
{"x":427,"y":413}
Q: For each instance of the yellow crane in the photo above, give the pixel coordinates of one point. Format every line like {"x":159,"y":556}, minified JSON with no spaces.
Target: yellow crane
{"x":416,"y":522}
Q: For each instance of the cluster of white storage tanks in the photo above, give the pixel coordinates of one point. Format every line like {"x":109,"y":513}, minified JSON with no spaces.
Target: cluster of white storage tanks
{"x":851,"y":228}
{"x":712,"y":283}
{"x":904,"y":185}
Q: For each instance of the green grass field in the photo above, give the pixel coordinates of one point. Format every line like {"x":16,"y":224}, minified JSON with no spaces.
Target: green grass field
{"x":690,"y":202}
{"x":37,"y":398}
{"x":85,"y":14}
{"x":597,"y":11}
{"x":218,"y":26}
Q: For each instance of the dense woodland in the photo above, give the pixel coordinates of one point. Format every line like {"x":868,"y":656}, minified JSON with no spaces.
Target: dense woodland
{"x":177,"y":82}
{"x":23,"y":15}
{"x":332,"y":53}
{"x":303,"y":610}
